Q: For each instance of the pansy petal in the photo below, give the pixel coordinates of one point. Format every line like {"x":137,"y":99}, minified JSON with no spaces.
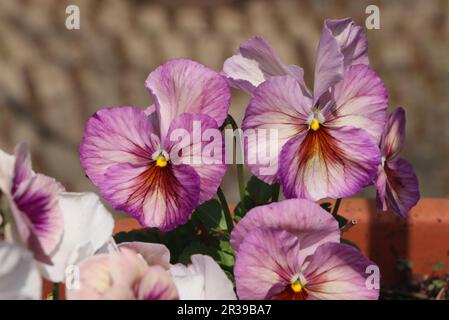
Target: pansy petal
{"x":157,"y":285}
{"x":329,"y":162}
{"x":255,"y":62}
{"x":186,"y":146}
{"x":162,"y":197}
{"x":122,"y":276}
{"x":351,"y":40}
{"x":19,"y":277}
{"x":22,"y":166}
{"x":153,"y":253}
{"x":108,"y":276}
{"x":150,"y":110}
{"x":342,"y":44}
{"x":394,"y":134}
{"x":184,"y":86}
{"x":94,"y":279}
{"x":243,"y":73}
{"x":277,"y":111}
{"x":329,"y":64}
{"x":360,"y":100}
{"x":116,"y":135}
{"x":266,"y":258}
{"x":87,"y":227}
{"x":126,"y":259}
{"x":304,"y":218}
{"x":37,"y":214}
{"x":151,"y":113}
{"x":402,"y":190}
{"x":32,"y":200}
{"x":202,"y":280}
{"x":339,"y":272}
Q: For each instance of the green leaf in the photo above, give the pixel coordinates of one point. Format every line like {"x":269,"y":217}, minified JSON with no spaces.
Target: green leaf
{"x":176,"y":241}
{"x":438,"y":266}
{"x":225,"y":246}
{"x":436,"y":284}
{"x":141,"y":235}
{"x":226,"y":253}
{"x":326,"y":206}
{"x":210,"y":215}
{"x":349,"y":242}
{"x":243,"y":207}
{"x":226,"y":259}
{"x":259,"y":191}
{"x":342,"y":221}
{"x":404,"y":264}
{"x":230,"y":276}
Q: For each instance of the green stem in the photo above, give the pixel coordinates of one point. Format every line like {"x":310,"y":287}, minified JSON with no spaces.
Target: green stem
{"x":276,"y":189}
{"x":240,"y":175}
{"x":226,"y":211}
{"x":336,"y":207}
{"x":55,"y":291}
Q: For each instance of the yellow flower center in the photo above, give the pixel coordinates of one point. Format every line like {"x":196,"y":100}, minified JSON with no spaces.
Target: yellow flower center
{"x":315,"y":124}
{"x":161,"y":161}
{"x":296,"y":286}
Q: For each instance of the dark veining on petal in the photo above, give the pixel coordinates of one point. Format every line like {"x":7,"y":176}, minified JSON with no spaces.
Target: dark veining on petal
{"x":35,"y":205}
{"x":155,"y":179}
{"x":321,"y":143}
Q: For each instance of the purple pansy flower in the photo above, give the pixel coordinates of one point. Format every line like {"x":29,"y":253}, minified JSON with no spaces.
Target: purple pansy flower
{"x":126,"y":151}
{"x":396,"y":182}
{"x":293,"y":260}
{"x":33,"y":204}
{"x":327,"y":142}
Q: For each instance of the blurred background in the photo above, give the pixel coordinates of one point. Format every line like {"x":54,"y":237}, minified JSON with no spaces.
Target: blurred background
{"x":53,"y":79}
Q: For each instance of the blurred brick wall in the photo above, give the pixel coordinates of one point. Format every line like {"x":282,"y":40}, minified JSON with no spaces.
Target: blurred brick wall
{"x":53,"y":79}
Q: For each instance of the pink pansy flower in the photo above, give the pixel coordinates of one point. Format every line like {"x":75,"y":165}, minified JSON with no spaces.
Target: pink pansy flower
{"x":203,"y":279}
{"x":291,"y":260}
{"x":396,"y":182}
{"x":122,"y":275}
{"x":127,"y":152}
{"x":38,"y":222}
{"x":327,"y":141}
{"x":19,"y":277}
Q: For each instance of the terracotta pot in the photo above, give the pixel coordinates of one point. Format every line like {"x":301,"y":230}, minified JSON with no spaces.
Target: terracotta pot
{"x":422,"y":239}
